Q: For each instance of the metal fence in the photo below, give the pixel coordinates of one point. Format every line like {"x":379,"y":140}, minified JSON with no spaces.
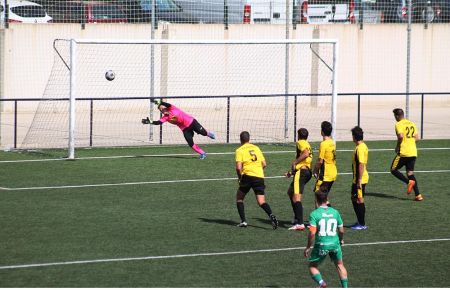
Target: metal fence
{"x":371,"y":111}
{"x":225,"y":12}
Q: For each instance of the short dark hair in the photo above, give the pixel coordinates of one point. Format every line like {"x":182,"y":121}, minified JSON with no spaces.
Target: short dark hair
{"x":326,"y":128}
{"x":398,"y":112}
{"x":302,"y":133}
{"x":244,"y":136}
{"x":321,"y":195}
{"x":358,"y":133}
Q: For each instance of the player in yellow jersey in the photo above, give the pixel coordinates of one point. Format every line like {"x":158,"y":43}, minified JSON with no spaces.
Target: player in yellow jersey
{"x":325,"y":170}
{"x":250,"y":164}
{"x":301,"y":170}
{"x":407,"y":136}
{"x":360,"y":177}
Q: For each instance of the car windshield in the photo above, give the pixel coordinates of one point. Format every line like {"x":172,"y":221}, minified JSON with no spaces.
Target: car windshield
{"x":163,"y":5}
{"x":107,"y":12}
{"x":29,"y":11}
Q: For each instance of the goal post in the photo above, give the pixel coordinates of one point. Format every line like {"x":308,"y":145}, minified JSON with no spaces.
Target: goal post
{"x":265,"y":87}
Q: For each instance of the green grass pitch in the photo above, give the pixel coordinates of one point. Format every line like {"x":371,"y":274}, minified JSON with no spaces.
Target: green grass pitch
{"x":158,"y":220}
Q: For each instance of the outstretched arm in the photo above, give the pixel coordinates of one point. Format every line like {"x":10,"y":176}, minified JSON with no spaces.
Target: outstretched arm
{"x":148,"y":121}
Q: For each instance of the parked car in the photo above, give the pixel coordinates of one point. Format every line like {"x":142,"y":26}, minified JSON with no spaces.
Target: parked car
{"x":21,"y":11}
{"x":87,"y":12}
{"x":166,"y":10}
{"x":237,"y":11}
{"x":367,"y":11}
{"x":325,"y":11}
{"x":422,"y":10}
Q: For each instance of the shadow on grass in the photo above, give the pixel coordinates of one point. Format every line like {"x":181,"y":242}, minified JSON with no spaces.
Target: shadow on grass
{"x":227,"y":222}
{"x":384,"y":195}
{"x":170,"y":156}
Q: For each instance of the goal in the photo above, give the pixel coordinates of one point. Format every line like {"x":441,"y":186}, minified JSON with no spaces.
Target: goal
{"x":270,"y":88}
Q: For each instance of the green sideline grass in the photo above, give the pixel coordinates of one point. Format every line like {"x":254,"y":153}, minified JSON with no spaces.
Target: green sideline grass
{"x":60,"y":224}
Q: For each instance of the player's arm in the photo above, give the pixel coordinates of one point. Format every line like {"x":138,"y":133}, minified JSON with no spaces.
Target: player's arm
{"x":311,"y":239}
{"x":148,"y":121}
{"x":341,"y":234}
{"x":239,"y":170}
{"x":303,"y":155}
{"x":360,"y":175}
{"x":317,"y":167}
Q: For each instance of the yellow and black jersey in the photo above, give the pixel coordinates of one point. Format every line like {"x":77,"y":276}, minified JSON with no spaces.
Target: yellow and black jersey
{"x":251,"y":157}
{"x":360,"y":156}
{"x":303,"y":145}
{"x":327,"y":152}
{"x":409,"y":130}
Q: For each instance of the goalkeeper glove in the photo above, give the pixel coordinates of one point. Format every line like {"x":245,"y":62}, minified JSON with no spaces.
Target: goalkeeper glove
{"x":156,"y":102}
{"x":147,"y":121}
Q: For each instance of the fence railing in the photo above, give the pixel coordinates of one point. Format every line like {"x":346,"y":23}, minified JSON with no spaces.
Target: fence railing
{"x":370,"y":110}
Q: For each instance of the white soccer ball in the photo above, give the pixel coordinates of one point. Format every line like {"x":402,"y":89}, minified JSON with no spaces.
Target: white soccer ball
{"x":110,"y":75}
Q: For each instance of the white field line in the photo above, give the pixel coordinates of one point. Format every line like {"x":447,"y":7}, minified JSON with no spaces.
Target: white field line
{"x":205,"y":254}
{"x":180,"y":181}
{"x":194,"y":154}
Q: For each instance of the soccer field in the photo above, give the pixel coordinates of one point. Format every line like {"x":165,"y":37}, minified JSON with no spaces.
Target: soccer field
{"x":159,"y":217}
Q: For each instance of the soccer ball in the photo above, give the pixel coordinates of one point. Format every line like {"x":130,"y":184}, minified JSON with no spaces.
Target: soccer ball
{"x":110,"y":75}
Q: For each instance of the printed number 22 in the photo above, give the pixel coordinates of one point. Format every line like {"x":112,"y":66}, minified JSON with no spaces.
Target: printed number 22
{"x":252,"y":153}
{"x":410,"y":132}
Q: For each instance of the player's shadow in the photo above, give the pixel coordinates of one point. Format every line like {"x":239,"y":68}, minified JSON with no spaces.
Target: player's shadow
{"x":384,"y":195}
{"x":226,"y":222}
{"x":170,"y":156}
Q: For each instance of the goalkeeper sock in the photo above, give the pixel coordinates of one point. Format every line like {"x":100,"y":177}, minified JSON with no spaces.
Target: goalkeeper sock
{"x":197,"y":149}
{"x":344,"y":283}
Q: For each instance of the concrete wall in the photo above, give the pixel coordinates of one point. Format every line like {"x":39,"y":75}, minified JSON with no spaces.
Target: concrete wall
{"x":370,"y":60}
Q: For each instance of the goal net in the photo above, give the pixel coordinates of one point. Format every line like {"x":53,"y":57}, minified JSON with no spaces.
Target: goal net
{"x":269,"y":88}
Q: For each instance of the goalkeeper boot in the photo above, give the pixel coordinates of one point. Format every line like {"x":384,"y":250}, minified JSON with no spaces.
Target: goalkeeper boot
{"x":211,"y":135}
{"x":274,"y":221}
{"x":202,"y":156}
{"x":323,"y":284}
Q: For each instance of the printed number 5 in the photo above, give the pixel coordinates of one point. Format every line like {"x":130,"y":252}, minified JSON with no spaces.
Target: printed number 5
{"x":252,"y":153}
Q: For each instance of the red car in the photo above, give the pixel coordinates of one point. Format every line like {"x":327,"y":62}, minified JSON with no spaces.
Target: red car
{"x":87,"y":12}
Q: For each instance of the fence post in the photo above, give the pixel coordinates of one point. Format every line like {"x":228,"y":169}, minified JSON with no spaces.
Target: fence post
{"x":421,"y":117}
{"x":228,"y":120}
{"x":91,"y":121}
{"x":359,"y":110}
{"x":15,"y":124}
{"x":295,"y":118}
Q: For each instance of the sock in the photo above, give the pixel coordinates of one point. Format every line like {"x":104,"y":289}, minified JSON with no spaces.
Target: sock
{"x":266,"y":208}
{"x":298,"y":211}
{"x":416,"y":187}
{"x":400,"y":176}
{"x":241,"y":210}
{"x":197,"y":149}
{"x":317,"y":278}
{"x":362,"y":213}
{"x":344,"y":283}
{"x":356,"y":209}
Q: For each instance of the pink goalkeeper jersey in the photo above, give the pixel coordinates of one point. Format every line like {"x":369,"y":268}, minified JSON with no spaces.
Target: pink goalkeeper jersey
{"x":177,"y":117}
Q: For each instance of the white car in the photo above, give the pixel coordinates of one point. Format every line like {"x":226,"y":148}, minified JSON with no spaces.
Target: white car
{"x":21,"y":11}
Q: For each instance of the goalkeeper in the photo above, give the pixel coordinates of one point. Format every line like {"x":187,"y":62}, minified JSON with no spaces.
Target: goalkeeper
{"x":184,"y":121}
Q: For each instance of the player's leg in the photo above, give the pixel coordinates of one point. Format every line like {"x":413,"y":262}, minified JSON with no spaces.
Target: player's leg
{"x":199,"y":129}
{"x":188,"y":134}
{"x":412,"y":184}
{"x":398,"y":163}
{"x":259,"y":187}
{"x":326,"y":186}
{"x":244,"y":188}
{"x":336,"y":257}
{"x":359,"y":206}
{"x":290,"y":193}
{"x":317,"y":256}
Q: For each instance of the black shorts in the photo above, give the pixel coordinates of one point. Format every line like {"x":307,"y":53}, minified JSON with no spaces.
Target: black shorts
{"x":399,"y":162}
{"x":252,"y":182}
{"x":304,"y":177}
{"x":323,"y":185}
{"x":355,"y":191}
